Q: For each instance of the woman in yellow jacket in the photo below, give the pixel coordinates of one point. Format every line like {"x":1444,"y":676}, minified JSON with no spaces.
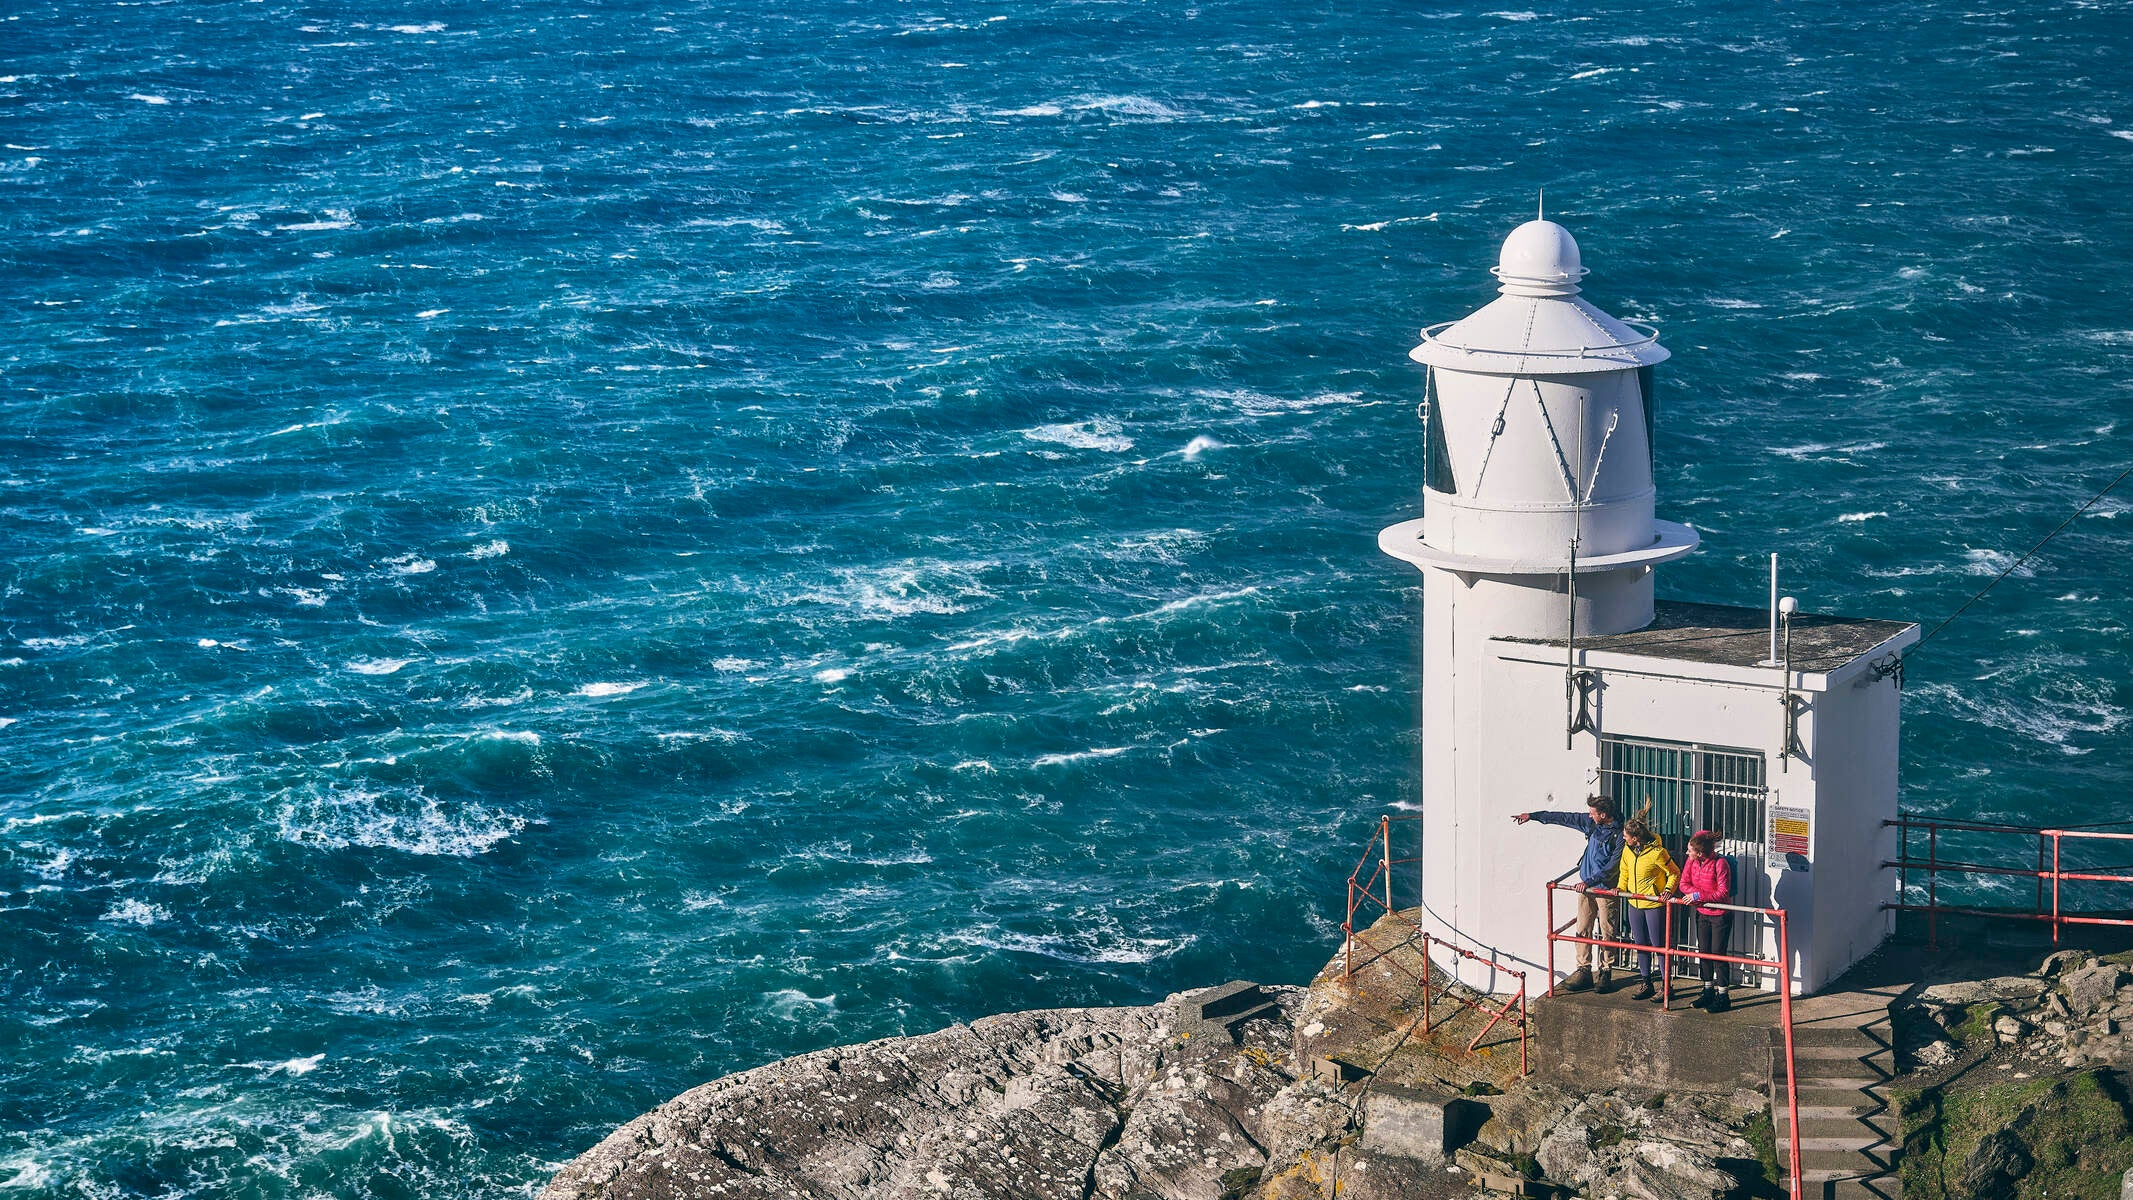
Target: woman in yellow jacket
{"x":1647,"y":870}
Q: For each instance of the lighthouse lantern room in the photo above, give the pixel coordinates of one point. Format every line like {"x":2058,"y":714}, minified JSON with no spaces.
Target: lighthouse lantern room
{"x":1550,"y":672}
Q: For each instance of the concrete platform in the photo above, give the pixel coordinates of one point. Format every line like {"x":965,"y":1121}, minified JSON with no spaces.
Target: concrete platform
{"x":1587,"y":1039}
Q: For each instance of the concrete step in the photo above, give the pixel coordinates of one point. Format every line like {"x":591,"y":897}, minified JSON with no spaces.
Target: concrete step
{"x":1836,"y":1050}
{"x":1883,"y":1187}
{"x":1822,"y":1035}
{"x":1825,"y":1083}
{"x":1839,"y":1164}
{"x":1830,"y":1112}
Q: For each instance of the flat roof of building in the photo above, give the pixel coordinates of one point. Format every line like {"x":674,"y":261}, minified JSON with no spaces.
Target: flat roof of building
{"x":1740,"y":637}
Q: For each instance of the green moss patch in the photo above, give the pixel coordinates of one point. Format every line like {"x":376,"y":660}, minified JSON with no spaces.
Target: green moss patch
{"x":2024,"y":1139}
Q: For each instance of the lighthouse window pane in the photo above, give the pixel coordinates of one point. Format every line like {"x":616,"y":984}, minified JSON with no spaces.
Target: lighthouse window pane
{"x":1646,"y":380}
{"x":1437,"y":457}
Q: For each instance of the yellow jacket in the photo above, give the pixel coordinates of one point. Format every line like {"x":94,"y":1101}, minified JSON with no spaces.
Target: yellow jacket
{"x":1649,"y":871}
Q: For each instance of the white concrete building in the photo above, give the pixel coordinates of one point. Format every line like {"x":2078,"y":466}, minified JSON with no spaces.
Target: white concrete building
{"x":1549,"y":671}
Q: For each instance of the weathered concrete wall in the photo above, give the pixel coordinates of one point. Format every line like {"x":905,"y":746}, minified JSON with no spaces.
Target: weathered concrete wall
{"x":1589,"y":1042}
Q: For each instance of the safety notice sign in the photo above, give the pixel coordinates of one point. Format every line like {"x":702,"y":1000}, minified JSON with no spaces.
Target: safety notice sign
{"x":1789,"y":830}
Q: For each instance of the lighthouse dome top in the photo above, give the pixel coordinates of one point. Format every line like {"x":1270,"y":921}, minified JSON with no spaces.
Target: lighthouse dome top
{"x":1540,"y":258}
{"x":1539,"y":325}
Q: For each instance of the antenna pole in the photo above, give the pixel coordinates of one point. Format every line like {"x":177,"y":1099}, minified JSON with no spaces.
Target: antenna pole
{"x":1773,"y":659}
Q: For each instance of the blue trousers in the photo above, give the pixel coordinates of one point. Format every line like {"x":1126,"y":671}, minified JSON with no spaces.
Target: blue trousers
{"x":1647,"y":926}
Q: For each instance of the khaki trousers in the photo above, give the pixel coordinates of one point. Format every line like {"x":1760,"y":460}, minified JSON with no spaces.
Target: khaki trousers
{"x":1595,"y":911}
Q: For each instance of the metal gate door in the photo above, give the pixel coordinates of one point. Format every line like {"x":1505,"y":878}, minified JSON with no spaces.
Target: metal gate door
{"x":1692,"y":787}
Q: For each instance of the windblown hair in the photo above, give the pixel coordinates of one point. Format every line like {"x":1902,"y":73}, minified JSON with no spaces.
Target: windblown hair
{"x":1640,"y":826}
{"x":1605,"y":806}
{"x":1705,"y":840}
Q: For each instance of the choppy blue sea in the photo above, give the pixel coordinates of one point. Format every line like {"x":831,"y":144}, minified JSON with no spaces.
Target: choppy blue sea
{"x":552,"y":552}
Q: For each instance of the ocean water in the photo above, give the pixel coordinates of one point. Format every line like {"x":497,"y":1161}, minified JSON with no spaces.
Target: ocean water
{"x":555,"y":552}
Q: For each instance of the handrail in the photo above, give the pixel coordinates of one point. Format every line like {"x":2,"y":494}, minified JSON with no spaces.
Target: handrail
{"x":1782,"y":965}
{"x":2056,"y":875}
{"x":1361,"y":889}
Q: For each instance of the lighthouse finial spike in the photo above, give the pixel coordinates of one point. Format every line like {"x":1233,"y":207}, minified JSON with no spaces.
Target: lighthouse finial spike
{"x":1540,"y":206}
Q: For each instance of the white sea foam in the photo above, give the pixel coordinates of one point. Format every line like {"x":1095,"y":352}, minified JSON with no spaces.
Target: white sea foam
{"x":378,"y":666}
{"x":406,"y":819}
{"x":295,"y":1066}
{"x":1034,"y":110}
{"x":304,"y":597}
{"x":145,"y":98}
{"x":1992,"y":562}
{"x":1818,"y":451}
{"x":728,"y":736}
{"x":411,"y":564}
{"x":495,"y":549}
{"x":597,"y":691}
{"x":1079,"y":948}
{"x":1128,"y":106}
{"x":832,"y":675}
{"x":1200,"y":445}
{"x":336,"y":218}
{"x":1261,"y":403}
{"x":1203,"y":598}
{"x":792,"y":1004}
{"x":1854,"y":518}
{"x":733,"y":665}
{"x":2061,"y":712}
{"x":1101,"y":434}
{"x":1053,"y":760}
{"x":63,"y":642}
{"x":430,"y":27}
{"x":135,"y":912}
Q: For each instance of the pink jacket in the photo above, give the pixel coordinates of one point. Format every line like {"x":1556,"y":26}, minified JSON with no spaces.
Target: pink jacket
{"x":1711,"y":880}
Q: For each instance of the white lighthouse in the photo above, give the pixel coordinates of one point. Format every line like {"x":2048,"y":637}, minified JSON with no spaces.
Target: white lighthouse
{"x":1549,"y":671}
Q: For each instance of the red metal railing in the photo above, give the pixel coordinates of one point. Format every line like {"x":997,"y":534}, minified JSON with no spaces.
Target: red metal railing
{"x":1376,"y":890}
{"x":1666,"y":977}
{"x":2051,"y":845}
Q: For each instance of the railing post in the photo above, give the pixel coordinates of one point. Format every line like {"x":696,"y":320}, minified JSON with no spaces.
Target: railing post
{"x":1523,"y":1027}
{"x":2055,"y":886}
{"x":1666,"y":961}
{"x":1933,"y":885}
{"x":1425,"y":982}
{"x":1903,"y":857}
{"x":1792,"y":1082}
{"x":1548,"y":905}
{"x":1348,"y":937}
{"x":2040,"y":879}
{"x":1385,"y":827}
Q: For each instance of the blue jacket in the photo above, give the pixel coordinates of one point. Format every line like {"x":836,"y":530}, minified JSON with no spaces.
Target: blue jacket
{"x":1603,"y":845}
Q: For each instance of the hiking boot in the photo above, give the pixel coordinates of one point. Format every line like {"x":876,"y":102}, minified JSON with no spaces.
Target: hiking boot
{"x":1703,"y":998}
{"x":1579,"y":980}
{"x":1606,"y":983}
{"x":1643,"y":992}
{"x":1720,"y":1002}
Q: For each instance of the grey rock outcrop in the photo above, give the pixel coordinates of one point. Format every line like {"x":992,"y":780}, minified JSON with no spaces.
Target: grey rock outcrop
{"x":1066,"y":1103}
{"x":1231,"y":1093}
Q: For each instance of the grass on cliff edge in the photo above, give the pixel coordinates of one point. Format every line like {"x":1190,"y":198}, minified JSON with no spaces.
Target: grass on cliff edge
{"x":2074,"y":1130}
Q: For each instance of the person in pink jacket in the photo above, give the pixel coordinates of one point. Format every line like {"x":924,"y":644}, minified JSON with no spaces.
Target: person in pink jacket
{"x":1707,"y":877}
